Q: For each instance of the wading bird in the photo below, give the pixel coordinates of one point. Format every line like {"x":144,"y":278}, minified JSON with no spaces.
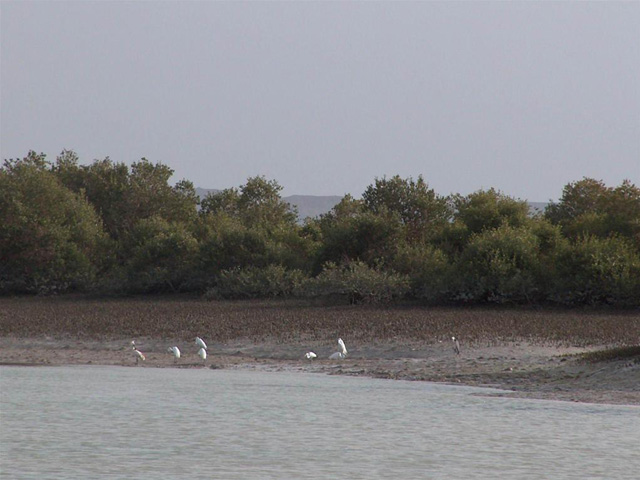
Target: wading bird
{"x":202,"y":353}
{"x":139,"y":355}
{"x":200,"y":343}
{"x":310,"y":355}
{"x":342,"y":353}
{"x":343,"y":348}
{"x":176,"y":353}
{"x":456,"y":345}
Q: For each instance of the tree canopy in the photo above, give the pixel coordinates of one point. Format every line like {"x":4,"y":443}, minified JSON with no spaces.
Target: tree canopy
{"x":109,"y":227}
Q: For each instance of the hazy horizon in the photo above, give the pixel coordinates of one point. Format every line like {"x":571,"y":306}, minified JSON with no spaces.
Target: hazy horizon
{"x":324,"y":97}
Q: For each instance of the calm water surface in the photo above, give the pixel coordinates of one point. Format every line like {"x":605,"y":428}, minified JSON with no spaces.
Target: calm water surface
{"x":144,"y":423}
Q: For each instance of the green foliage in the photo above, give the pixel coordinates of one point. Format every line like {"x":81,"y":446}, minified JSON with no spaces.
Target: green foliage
{"x":489,"y":209}
{"x":224,"y":202}
{"x":428,"y":269}
{"x":260,"y":203}
{"x":589,"y":207}
{"x":452,"y":238}
{"x":256,"y":204}
{"x":350,"y":232}
{"x":597,"y":270}
{"x":253,"y":282}
{"x":292,"y":248}
{"x":348,"y":207}
{"x":125,"y":196}
{"x":225,"y":243}
{"x":51,"y":239}
{"x":500,"y":265}
{"x":250,"y":227}
{"x":129,"y":200}
{"x":366,"y":237}
{"x":550,"y":238}
{"x":107,"y":226}
{"x":419,"y":208}
{"x":578,"y":198}
{"x":161,"y":258}
{"x":359,"y":282}
{"x":623,"y":208}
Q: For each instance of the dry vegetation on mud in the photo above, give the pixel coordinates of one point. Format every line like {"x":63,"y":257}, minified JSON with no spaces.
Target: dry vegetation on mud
{"x":289,"y":321}
{"x":578,"y":355}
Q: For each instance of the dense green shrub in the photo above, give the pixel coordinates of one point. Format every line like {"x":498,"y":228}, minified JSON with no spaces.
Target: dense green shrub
{"x":489,"y":209}
{"x":420,"y":209}
{"x":113,"y":227}
{"x":125,"y":195}
{"x":226,"y":244}
{"x":589,"y":207}
{"x":51,"y":239}
{"x":364,"y":236}
{"x":257,"y":203}
{"x":597,"y":270}
{"x":253,"y":282}
{"x":162,"y":256}
{"x":358,"y":282}
{"x":428,"y":269}
{"x":498,"y":266}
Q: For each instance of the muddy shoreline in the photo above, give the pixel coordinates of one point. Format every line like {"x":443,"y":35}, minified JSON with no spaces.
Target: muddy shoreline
{"x":524,"y":370}
{"x":528,"y":353}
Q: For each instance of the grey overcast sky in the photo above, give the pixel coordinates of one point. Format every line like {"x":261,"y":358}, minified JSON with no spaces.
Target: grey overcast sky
{"x":325,"y":96}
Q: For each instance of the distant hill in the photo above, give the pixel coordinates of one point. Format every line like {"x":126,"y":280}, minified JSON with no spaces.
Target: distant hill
{"x":537,"y":207}
{"x":307,"y":205}
{"x":203,"y":192}
{"x":314,"y":205}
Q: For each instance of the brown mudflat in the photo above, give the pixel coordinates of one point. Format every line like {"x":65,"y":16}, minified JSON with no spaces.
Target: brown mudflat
{"x":531,"y":353}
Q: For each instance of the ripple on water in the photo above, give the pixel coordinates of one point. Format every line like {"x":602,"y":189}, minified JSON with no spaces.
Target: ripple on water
{"x":76,"y":422}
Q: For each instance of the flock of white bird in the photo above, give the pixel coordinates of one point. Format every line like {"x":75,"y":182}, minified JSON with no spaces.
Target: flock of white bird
{"x":202,"y":352}
{"x":334,"y":356}
{"x":175,"y":351}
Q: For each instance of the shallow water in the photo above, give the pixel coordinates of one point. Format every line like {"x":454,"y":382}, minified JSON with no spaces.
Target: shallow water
{"x":144,"y":423}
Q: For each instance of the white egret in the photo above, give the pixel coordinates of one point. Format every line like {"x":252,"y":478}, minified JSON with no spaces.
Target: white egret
{"x":176,"y":353}
{"x":343,"y":348}
{"x":200,"y":343}
{"x":310,"y":355}
{"x":456,"y":345}
{"x":202,"y":353}
{"x":342,"y":353}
